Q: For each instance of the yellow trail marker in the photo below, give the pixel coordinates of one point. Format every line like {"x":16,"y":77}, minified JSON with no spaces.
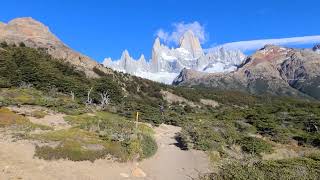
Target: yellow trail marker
{"x":137,"y":120}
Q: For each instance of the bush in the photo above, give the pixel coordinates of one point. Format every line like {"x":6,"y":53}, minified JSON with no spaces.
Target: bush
{"x":255,"y":145}
{"x":296,"y":168}
{"x":38,"y":114}
{"x":21,"y":44}
{"x":117,"y":134}
{"x":77,"y":145}
{"x":69,"y":150}
{"x":148,"y":145}
{"x":31,"y":96}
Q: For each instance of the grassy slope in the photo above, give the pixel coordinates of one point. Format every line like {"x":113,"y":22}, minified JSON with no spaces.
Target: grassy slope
{"x":281,"y":120}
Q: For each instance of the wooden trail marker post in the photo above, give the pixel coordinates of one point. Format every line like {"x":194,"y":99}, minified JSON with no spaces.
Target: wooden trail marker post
{"x":137,"y":120}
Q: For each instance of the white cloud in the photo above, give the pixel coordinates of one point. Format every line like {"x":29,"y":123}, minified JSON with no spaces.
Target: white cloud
{"x":179,"y":29}
{"x":257,"y":44}
{"x":163,"y":35}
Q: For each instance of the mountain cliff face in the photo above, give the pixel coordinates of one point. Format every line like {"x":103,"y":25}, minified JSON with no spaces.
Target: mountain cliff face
{"x":166,"y":63}
{"x":192,"y":44}
{"x":272,"y":69}
{"x":316,"y":48}
{"x":34,"y":34}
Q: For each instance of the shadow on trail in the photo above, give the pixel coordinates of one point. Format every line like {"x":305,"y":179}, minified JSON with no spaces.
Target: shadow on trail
{"x":180,"y":142}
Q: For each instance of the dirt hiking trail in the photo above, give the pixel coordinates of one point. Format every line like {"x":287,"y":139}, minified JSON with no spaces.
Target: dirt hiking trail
{"x":169,"y":163}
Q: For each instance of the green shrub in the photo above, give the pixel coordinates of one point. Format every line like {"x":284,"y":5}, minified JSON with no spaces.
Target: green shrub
{"x":148,"y":145}
{"x":71,"y":150}
{"x":74,"y":144}
{"x":295,"y":168}
{"x":255,"y":145}
{"x":117,"y":134}
{"x":38,"y":114}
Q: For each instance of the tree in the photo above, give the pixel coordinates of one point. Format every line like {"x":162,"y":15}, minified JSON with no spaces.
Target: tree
{"x":21,"y":44}
{"x":113,"y":89}
{"x":3,"y":44}
{"x":89,"y":99}
{"x":72,"y":95}
{"x":105,"y":99}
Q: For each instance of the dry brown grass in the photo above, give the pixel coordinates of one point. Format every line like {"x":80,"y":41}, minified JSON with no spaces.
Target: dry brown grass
{"x":8,"y":118}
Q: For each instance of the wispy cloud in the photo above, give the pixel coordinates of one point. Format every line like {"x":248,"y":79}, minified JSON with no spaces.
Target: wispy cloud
{"x":179,"y":29}
{"x":257,"y":44}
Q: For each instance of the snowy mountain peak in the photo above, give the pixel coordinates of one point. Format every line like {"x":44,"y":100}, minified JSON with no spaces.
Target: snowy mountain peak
{"x":191,"y":43}
{"x":125,"y":55}
{"x":156,"y":44}
{"x":142,"y":58}
{"x":107,"y":61}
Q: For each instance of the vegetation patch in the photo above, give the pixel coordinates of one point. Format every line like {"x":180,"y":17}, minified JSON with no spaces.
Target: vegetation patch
{"x":73,"y":145}
{"x":255,"y":145}
{"x":39,"y":114}
{"x":31,"y":96}
{"x":148,"y":146}
{"x":302,"y":168}
{"x":117,"y":135}
{"x":9,"y":119}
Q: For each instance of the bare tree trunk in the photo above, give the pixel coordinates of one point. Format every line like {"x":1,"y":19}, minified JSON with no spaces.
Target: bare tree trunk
{"x":105,"y":99}
{"x":72,"y":96}
{"x":89,"y":100}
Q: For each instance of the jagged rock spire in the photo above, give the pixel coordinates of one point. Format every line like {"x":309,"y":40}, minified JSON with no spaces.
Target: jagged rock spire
{"x":191,"y":43}
{"x":125,"y":59}
{"x":155,"y":64}
{"x":142,"y":58}
{"x":125,"y":55}
{"x":156,"y":44}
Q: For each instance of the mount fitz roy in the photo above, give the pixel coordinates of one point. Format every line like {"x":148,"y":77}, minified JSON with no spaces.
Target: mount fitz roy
{"x":166,"y":63}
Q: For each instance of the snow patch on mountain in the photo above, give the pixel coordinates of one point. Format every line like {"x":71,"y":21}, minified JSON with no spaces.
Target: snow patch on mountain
{"x":167,"y":57}
{"x":162,"y":77}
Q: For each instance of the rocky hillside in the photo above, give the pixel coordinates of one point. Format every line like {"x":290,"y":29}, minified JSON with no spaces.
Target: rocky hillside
{"x":316,"y":48}
{"x":36,"y":35}
{"x":272,"y":69}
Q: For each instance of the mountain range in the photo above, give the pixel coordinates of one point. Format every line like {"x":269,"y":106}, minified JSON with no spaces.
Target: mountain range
{"x":166,"y":63}
{"x":273,"y":69}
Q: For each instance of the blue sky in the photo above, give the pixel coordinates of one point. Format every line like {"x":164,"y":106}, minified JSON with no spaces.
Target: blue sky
{"x":102,"y":29}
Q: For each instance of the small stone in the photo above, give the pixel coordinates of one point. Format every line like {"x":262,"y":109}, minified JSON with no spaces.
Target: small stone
{"x":137,"y":172}
{"x":6,"y":169}
{"x":40,"y":168}
{"x":124,"y":175}
{"x":16,"y":178}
